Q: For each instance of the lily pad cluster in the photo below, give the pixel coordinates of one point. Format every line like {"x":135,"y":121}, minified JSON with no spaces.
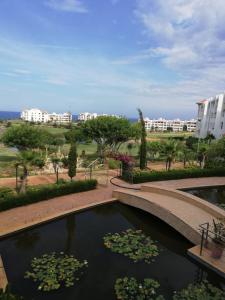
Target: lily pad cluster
{"x":133,"y":244}
{"x":131,"y":289}
{"x":201,"y":291}
{"x":53,"y":270}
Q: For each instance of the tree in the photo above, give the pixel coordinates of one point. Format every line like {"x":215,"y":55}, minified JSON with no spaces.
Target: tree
{"x":153,"y":149}
{"x":24,"y":137}
{"x":170,"y":150}
{"x":108,"y":132}
{"x":72,"y":161}
{"x":143,"y":146}
{"x":202,"y":154}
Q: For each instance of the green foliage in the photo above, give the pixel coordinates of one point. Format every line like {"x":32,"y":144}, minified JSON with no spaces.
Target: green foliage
{"x":108,"y":132}
{"x":7,"y":295}
{"x":6,"y":192}
{"x":113,"y":164}
{"x":133,"y":244}
{"x":25,"y":137}
{"x":143,"y":146}
{"x":72,"y":161}
{"x":170,"y":149}
{"x":148,"y":176}
{"x":154,"y":149}
{"x":53,"y":270}
{"x":45,"y":192}
{"x":201,"y":291}
{"x":130,"y":289}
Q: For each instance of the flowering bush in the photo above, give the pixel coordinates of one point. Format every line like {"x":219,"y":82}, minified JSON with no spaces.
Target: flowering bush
{"x":127,"y":163}
{"x":124,"y":158}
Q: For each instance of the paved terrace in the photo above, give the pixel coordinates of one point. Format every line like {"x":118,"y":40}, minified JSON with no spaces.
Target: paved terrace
{"x":33,"y":214}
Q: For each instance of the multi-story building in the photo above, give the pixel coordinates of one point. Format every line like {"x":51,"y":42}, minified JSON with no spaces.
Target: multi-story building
{"x":60,"y":118}
{"x":87,"y":116}
{"x":173,"y":125}
{"x":38,"y":116}
{"x":35,"y":115}
{"x":211,"y":117}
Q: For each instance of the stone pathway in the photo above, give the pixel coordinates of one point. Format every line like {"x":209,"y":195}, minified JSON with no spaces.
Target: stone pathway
{"x":22,"y":217}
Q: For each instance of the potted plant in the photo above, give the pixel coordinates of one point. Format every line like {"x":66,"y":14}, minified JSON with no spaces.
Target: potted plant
{"x":218,"y":240}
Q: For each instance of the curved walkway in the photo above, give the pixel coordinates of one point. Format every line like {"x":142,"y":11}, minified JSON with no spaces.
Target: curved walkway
{"x":182,"y":211}
{"x":22,"y":217}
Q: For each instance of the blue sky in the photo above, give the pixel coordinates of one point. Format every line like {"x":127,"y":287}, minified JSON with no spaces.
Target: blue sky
{"x":111,"y":56}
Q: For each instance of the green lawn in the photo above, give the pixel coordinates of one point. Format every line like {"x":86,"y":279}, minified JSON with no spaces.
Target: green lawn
{"x":166,"y":135}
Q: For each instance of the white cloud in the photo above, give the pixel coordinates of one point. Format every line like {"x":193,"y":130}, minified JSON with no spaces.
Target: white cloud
{"x":67,"y":5}
{"x":185,"y":32}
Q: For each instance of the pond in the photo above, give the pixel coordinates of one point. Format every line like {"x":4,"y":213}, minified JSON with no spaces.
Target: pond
{"x":81,"y":234}
{"x":215,"y":195}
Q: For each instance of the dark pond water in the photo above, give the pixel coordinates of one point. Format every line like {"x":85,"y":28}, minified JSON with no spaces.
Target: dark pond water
{"x":214,"y":195}
{"x":81,"y":235}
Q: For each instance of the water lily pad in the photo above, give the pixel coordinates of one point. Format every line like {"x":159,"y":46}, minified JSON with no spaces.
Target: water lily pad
{"x":133,"y":244}
{"x":130,"y":289}
{"x":53,"y":270}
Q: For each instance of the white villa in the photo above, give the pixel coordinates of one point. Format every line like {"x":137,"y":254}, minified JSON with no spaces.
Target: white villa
{"x":173,"y":125}
{"x":39,"y":116}
{"x":211,"y":117}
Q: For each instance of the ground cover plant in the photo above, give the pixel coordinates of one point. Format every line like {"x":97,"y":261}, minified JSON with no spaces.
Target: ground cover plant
{"x":201,"y":291}
{"x":133,"y":244}
{"x":131,"y":289}
{"x":51,"y":271}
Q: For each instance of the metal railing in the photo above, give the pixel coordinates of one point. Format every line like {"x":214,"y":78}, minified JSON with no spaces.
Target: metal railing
{"x":99,"y":170}
{"x":208,"y":234}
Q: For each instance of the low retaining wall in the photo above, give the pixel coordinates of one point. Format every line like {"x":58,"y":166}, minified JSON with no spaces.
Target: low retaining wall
{"x":210,"y":208}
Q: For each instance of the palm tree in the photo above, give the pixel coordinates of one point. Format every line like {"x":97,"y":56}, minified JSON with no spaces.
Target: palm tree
{"x":170,"y":150}
{"x":25,"y":160}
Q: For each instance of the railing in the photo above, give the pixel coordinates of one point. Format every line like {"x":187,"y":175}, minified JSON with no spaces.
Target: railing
{"x":99,"y":170}
{"x":208,"y":235}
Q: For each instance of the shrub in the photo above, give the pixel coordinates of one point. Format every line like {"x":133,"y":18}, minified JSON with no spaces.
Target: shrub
{"x":148,"y":176}
{"x":6,"y":192}
{"x":45,"y":192}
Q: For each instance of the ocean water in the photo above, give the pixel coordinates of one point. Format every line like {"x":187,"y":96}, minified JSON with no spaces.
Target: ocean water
{"x":9,"y":115}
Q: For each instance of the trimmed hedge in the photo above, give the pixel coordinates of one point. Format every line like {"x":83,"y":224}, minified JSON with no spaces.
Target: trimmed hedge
{"x":148,"y":176}
{"x":45,"y":192}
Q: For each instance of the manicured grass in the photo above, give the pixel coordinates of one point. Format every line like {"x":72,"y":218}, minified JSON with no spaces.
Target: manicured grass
{"x":166,"y":135}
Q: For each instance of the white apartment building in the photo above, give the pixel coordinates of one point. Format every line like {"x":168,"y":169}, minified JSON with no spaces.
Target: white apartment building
{"x":211,"y":117}
{"x":35,"y":115}
{"x":87,"y":116}
{"x":38,"y":116}
{"x":174,"y":125}
{"x":60,"y":118}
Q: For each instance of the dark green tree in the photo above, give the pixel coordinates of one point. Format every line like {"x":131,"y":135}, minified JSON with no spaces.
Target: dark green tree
{"x":108,"y":132}
{"x":72,"y":161}
{"x":143,"y":146}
